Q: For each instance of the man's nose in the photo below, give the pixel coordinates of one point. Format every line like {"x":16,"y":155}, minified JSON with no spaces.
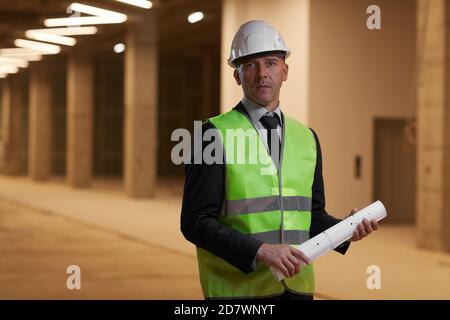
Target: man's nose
{"x":261,"y":71}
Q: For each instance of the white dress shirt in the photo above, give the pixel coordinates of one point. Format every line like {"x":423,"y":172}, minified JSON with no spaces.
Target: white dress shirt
{"x":256,"y":112}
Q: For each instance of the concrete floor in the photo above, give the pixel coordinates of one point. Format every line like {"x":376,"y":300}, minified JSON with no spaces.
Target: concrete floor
{"x":37,"y":247}
{"x":132,"y":249}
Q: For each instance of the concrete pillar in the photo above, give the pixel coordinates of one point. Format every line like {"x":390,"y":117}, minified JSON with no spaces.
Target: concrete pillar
{"x":5,"y":125}
{"x":80,"y":91}
{"x":141,"y":76}
{"x":40,"y":124}
{"x":13,"y":103}
{"x":433,"y":113}
{"x":446,"y":169}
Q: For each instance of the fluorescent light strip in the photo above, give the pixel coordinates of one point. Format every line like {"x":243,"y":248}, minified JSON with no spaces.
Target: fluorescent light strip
{"x":99,"y":16}
{"x":39,"y":47}
{"x":14,"y":61}
{"x":15,"y":51}
{"x":26,"y":57}
{"x":95,"y":11}
{"x":20,"y":53}
{"x":48,"y":37}
{"x":138,"y":3}
{"x":78,"y":21}
{"x":8,"y":69}
{"x":69,"y":31}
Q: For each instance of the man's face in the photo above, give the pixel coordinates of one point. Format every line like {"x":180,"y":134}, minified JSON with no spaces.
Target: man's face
{"x":261,"y":78}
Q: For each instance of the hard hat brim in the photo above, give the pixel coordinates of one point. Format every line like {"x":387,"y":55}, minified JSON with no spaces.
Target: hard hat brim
{"x":236,"y":62}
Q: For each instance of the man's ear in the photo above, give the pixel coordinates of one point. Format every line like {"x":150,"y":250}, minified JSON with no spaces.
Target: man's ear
{"x":285,"y":72}
{"x":236,"y":76}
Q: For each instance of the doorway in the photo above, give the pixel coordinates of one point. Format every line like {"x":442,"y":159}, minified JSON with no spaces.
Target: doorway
{"x":395,"y":170}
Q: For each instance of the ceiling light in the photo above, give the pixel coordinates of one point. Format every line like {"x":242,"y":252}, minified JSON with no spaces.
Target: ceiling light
{"x":8,"y":69}
{"x":21,"y":63}
{"x":99,"y":16}
{"x":38,"y":47}
{"x":14,"y":51}
{"x":78,"y":21}
{"x":48,"y":37}
{"x":138,"y":3}
{"x":21,"y":53}
{"x":119,"y":48}
{"x":70,"y":31}
{"x":196,"y":17}
{"x":95,"y":11}
{"x":26,"y":57}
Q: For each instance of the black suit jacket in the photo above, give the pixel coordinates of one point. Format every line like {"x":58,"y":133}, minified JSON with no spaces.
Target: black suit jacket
{"x":203,"y":199}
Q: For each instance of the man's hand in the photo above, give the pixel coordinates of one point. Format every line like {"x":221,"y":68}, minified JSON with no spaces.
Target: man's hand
{"x":363,"y":229}
{"x":282,"y":257}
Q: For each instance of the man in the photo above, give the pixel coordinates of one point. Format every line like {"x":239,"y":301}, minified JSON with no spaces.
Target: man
{"x":243,"y":219}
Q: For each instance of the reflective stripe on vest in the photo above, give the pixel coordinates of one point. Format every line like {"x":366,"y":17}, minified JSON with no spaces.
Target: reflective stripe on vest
{"x":292,"y":203}
{"x":257,"y":204}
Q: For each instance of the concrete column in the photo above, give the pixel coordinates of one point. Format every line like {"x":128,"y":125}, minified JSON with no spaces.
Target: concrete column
{"x":446,"y":169}
{"x":40,"y":122}
{"x":5,"y":125}
{"x":433,"y":111}
{"x":141,"y":76}
{"x":80,"y":91}
{"x":13,"y":104}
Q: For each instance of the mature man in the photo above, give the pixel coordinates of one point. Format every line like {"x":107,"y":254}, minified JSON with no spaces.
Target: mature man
{"x":243,"y":219}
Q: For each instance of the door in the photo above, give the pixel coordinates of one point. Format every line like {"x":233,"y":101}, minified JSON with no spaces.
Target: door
{"x":395,"y":170}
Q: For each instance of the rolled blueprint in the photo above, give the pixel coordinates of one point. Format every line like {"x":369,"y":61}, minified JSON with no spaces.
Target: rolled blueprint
{"x":337,"y":234}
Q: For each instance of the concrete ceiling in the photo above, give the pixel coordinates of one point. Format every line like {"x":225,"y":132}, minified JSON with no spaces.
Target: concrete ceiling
{"x":175,"y":32}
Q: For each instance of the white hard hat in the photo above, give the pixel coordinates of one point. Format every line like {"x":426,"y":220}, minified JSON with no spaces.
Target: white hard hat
{"x":253,"y":37}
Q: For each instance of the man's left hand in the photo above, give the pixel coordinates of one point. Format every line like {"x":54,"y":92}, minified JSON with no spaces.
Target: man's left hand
{"x":363,"y":229}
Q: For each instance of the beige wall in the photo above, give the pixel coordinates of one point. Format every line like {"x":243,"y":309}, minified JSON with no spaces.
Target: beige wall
{"x":290,"y":18}
{"x":355,"y":75}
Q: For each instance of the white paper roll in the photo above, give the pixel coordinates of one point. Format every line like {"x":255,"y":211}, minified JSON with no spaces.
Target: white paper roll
{"x":337,"y":234}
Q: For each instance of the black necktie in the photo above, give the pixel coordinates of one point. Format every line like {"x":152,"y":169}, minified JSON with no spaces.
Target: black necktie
{"x":273,"y":139}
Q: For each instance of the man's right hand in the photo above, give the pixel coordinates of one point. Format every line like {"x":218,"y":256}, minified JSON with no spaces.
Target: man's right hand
{"x":282,"y":257}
